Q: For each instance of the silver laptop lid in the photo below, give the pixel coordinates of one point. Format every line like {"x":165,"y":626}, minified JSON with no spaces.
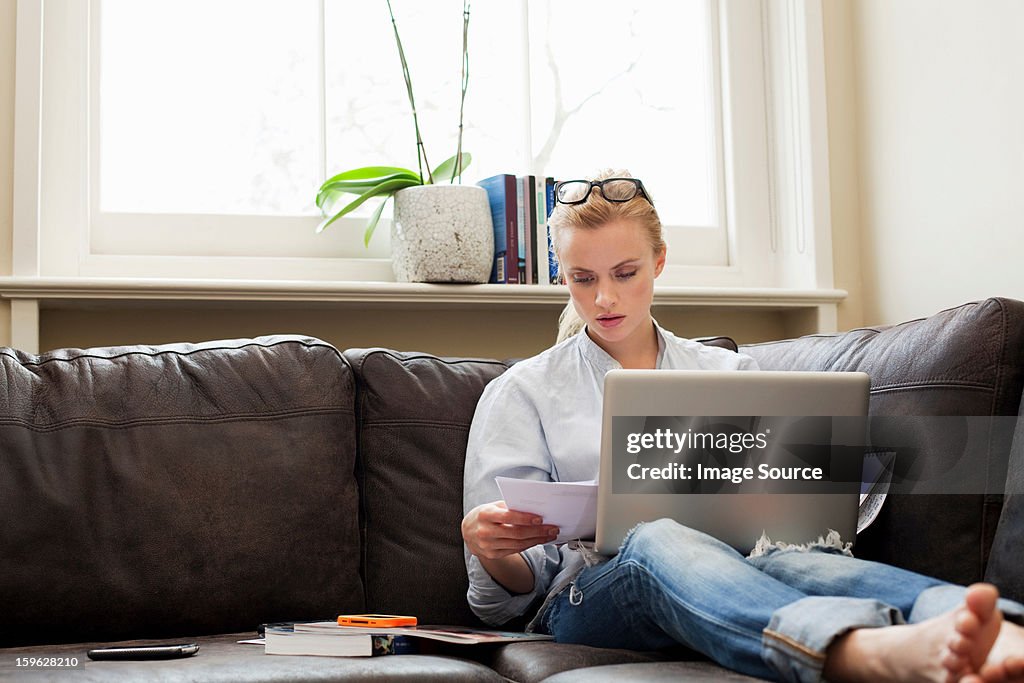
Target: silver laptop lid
{"x":639,"y":401}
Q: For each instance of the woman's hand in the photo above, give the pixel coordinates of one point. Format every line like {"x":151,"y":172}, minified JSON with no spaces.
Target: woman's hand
{"x":492,"y":531}
{"x":496,"y":535}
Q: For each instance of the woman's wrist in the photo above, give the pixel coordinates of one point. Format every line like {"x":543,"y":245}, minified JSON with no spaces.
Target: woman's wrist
{"x":511,"y":571}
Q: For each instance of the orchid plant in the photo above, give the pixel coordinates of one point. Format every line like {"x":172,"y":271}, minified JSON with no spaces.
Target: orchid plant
{"x":385,"y":181}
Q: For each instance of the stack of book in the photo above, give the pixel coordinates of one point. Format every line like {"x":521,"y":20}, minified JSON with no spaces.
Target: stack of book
{"x":520,"y":207}
{"x":327,"y":638}
{"x":285,"y":640}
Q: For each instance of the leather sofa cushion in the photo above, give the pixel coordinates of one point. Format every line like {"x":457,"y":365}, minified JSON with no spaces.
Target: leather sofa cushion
{"x":536,"y":661}
{"x":1004,"y":566}
{"x":727,"y":343}
{"x":961,"y":361}
{"x":222,"y":658}
{"x":666,"y":672}
{"x":414,"y":412}
{"x":179,"y":489}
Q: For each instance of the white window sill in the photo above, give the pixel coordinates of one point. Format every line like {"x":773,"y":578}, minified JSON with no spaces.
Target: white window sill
{"x":68,"y":290}
{"x":29,"y":295}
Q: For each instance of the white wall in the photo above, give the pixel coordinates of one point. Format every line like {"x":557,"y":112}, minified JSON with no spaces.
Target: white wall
{"x":841,"y":100}
{"x":940,"y":93}
{"x":7,"y":21}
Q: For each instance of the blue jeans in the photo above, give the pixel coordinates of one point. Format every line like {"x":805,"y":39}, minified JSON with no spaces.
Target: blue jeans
{"x":770,"y":616}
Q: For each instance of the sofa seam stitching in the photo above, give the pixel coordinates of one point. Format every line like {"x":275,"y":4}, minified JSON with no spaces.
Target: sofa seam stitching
{"x":992,"y":411}
{"x":415,"y":422}
{"x":403,"y":359}
{"x":934,"y":383}
{"x":38,"y":363}
{"x":177,"y":419}
{"x":360,"y":476}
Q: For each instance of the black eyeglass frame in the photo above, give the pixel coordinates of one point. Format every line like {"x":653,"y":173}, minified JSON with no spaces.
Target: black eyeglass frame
{"x":636,"y":182}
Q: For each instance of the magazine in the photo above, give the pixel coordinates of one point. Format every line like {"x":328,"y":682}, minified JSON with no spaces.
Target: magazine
{"x":460,"y":635}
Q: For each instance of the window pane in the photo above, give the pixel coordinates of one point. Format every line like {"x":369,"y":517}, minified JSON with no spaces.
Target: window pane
{"x":212,"y":106}
{"x":628,"y":85}
{"x":609,"y":85}
{"x":208,"y":106}
{"x":369,"y":120}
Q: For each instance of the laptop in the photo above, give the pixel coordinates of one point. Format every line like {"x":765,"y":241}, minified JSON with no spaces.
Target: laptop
{"x":733,"y":454}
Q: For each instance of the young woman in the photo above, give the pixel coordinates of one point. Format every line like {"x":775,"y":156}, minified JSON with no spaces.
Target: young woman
{"x":792,"y":615}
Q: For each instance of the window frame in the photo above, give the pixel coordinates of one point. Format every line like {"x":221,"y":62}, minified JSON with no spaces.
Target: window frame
{"x":773,"y":179}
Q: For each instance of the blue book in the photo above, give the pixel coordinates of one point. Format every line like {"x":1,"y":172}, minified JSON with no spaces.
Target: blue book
{"x":501,"y":193}
{"x":549,"y":186}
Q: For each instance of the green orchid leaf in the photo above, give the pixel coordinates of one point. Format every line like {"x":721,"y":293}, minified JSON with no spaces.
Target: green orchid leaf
{"x":331,"y":189}
{"x":371,"y":226}
{"x":326,"y":199}
{"x":372,"y":172}
{"x":446,"y":170}
{"x":388,"y":188}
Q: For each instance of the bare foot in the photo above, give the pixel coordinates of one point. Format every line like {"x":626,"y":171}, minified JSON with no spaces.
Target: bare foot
{"x":970,"y":644}
{"x":1005,"y":663}
{"x":977,"y":625}
{"x":912,"y":653}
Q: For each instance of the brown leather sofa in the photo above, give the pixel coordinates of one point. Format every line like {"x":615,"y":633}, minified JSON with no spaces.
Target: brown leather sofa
{"x":190,"y":492}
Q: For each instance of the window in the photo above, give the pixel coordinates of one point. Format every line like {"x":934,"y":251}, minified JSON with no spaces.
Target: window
{"x":205,"y":127}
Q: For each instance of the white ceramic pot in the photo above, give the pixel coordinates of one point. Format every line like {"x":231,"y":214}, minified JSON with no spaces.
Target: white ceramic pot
{"x":442,"y":233}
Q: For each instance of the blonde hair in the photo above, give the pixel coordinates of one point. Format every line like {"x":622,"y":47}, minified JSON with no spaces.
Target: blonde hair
{"x":591,"y":215}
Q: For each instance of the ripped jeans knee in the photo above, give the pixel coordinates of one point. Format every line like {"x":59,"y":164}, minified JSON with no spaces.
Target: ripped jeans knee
{"x":831,"y":542}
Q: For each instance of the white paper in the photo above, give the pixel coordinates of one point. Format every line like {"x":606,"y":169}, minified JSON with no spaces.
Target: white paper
{"x":870,"y":506}
{"x":569,"y":505}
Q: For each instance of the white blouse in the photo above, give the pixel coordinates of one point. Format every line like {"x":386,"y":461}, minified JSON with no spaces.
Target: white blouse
{"x":541,"y":420}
